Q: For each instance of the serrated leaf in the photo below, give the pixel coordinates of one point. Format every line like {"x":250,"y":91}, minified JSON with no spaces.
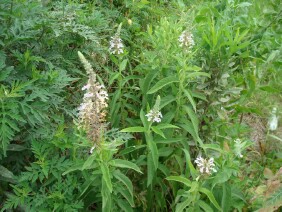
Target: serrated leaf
{"x":211,"y":197}
{"x":193,"y":117}
{"x":181,"y":206}
{"x":153,"y":150}
{"x":125,"y":206}
{"x":167,"y":126}
{"x":133,"y":129}
{"x":148,"y":80}
{"x":88,"y":162}
{"x":198,"y":74}
{"x":6,"y":174}
{"x":126,"y":194}
{"x":222,"y":176}
{"x":158,"y":131}
{"x":189,"y":166}
{"x":15,"y":148}
{"x":125,"y":180}
{"x":122,"y":65}
{"x":190,"y":98}
{"x":162,"y":83}
{"x":180,"y":179}
{"x":124,"y":164}
{"x":106,"y":176}
{"x":151,"y":169}
{"x":205,"y":206}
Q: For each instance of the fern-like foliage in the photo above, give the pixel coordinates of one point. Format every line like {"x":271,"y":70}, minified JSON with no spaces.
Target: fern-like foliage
{"x":42,"y":186}
{"x":275,"y":199}
{"x":11,"y":118}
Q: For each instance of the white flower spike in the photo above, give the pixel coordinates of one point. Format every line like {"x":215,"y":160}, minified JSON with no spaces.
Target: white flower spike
{"x":116,"y":45}
{"x":186,"y":39}
{"x":205,"y":166}
{"x":154,"y":116}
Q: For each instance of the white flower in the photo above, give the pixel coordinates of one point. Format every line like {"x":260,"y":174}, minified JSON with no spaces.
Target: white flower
{"x":186,"y":39}
{"x":91,"y":150}
{"x":154,"y":116}
{"x":205,"y":166}
{"x":85,"y":87}
{"x":88,"y":95}
{"x":82,"y":106}
{"x":273,"y":120}
{"x":116,"y":45}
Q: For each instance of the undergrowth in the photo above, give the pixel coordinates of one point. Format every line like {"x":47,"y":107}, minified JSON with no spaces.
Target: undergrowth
{"x":140,"y":105}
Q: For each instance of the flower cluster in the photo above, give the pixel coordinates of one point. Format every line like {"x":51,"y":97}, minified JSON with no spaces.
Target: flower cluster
{"x":186,"y":40}
{"x":116,"y":45}
{"x":205,"y":166}
{"x":154,"y":116}
{"x":92,"y":111}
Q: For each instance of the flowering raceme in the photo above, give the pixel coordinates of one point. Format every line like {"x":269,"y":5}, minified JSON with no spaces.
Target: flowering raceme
{"x":154,"y":114}
{"x":205,"y":166}
{"x":186,"y":40}
{"x":92,"y":110}
{"x":116,"y":45}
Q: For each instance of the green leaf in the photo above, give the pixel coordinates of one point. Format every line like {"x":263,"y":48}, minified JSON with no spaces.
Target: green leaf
{"x":122,"y":65}
{"x":113,"y":77}
{"x":15,"y":148}
{"x":74,"y":168}
{"x":193,"y":68}
{"x":168,"y":140}
{"x":126,"y":194}
{"x":190,"y":98}
{"x":275,"y":137}
{"x":167,"y":100}
{"x":6,"y":174}
{"x":269,"y":89}
{"x":211,"y":197}
{"x":144,"y":120}
{"x":151,"y":169}
{"x":158,"y":131}
{"x":180,"y":179}
{"x":188,"y":126}
{"x":153,"y":150}
{"x":124,"y":205}
{"x":198,"y":74}
{"x":226,"y":197}
{"x":131,"y":149}
{"x":189,"y":166}
{"x":181,"y":206}
{"x":205,"y":206}
{"x":162,"y":83}
{"x":144,"y":85}
{"x":125,"y":180}
{"x":88,"y":162}
{"x":275,"y":198}
{"x":106,"y":176}
{"x":124,"y":164}
{"x":193,"y":117}
{"x":106,"y":197}
{"x":222,"y":176}
{"x":167,"y":126}
{"x":133,"y":129}
{"x":215,"y":147}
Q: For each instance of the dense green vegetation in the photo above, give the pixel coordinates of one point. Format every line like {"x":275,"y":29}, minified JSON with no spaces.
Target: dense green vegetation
{"x":140,"y":105}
